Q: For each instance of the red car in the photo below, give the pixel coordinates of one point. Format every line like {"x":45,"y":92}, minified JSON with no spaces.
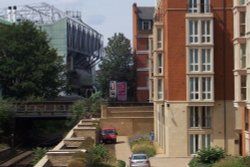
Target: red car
{"x":108,"y":135}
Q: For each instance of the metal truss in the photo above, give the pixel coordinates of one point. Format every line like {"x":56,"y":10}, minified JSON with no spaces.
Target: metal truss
{"x":83,"y":42}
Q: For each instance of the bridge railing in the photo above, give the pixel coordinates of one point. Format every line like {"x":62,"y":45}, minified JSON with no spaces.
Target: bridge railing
{"x":44,"y":109}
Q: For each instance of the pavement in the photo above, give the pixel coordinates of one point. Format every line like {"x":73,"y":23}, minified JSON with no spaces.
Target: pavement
{"x":123,"y":152}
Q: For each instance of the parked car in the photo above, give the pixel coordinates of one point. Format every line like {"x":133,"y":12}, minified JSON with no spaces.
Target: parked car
{"x":108,"y":135}
{"x":139,"y":160}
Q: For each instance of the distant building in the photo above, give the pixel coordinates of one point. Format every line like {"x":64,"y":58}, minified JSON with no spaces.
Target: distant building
{"x":241,"y":39}
{"x":192,"y":83}
{"x":142,"y":29}
{"x":80,"y":45}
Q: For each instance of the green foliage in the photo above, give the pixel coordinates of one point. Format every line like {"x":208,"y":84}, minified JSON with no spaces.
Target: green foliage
{"x":38,"y":70}
{"x":6,"y":113}
{"x":210,"y":155}
{"x":87,"y":144}
{"x":85,"y":108}
{"x":121,"y":163}
{"x":6,"y":108}
{"x":38,"y":154}
{"x":76,"y":163}
{"x":206,"y":157}
{"x":117,"y":65}
{"x":3,"y":146}
{"x":143,"y":146}
{"x":230,"y":162}
{"x":246,"y":160}
{"x":79,"y":159}
{"x":95,"y":102}
{"x":99,"y":154}
{"x":78,"y":109}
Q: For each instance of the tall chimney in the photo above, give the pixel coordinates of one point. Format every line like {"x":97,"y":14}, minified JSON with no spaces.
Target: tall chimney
{"x":14,"y":14}
{"x":9,"y":12}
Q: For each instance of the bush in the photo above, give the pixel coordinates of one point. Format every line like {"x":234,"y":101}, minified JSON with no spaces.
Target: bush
{"x":207,"y":157}
{"x":38,"y":154}
{"x":121,"y":163}
{"x":76,"y":163}
{"x":79,"y":159}
{"x":87,"y":144}
{"x":246,"y":160}
{"x":143,"y":146}
{"x":234,"y":162}
{"x":230,"y":162}
{"x":99,"y":154}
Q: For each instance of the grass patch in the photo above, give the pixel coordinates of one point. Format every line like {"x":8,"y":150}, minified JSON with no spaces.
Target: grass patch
{"x":142,"y":144}
{"x":3,"y":146}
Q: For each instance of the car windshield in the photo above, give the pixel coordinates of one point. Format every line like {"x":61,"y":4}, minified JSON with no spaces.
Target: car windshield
{"x":108,"y":131}
{"x":139,"y":157}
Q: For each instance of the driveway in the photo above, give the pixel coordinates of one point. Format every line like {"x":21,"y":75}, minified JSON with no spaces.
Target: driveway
{"x":122,"y":152}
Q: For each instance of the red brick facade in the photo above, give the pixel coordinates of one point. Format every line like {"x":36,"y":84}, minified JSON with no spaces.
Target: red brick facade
{"x":141,"y":50}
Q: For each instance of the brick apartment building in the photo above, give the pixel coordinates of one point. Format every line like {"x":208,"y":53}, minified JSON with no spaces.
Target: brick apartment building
{"x":192,"y":82}
{"x":241,"y":40}
{"x":142,"y":29}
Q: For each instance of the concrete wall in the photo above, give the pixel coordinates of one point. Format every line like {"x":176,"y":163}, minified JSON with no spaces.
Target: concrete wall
{"x":128,"y":120}
{"x":129,"y":126}
{"x":176,"y":131}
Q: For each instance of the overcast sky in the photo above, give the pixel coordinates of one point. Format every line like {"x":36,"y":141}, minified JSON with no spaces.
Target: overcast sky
{"x":106,"y":16}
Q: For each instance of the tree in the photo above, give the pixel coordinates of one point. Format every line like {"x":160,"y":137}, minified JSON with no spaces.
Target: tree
{"x":28,"y":65}
{"x":117,"y":64}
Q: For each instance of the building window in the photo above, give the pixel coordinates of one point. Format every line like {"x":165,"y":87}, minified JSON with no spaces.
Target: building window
{"x":159,"y":38}
{"x":205,"y":6}
{"x":198,"y":6}
{"x":206,"y":140}
{"x":194,"y":143}
{"x":146,"y":25}
{"x":194,"y":88}
{"x":159,"y":63}
{"x":198,"y":141}
{"x":200,"y":117}
{"x":192,"y":6}
{"x":206,"y":88}
{"x":160,"y":89}
{"x":206,"y":60}
{"x":194,"y":117}
{"x":206,"y":117}
{"x":243,"y":55}
{"x":193,"y":31}
{"x":200,"y":88}
{"x":193,"y":60}
{"x":246,"y":120}
{"x":242,"y":2}
{"x":242,"y":23}
{"x":200,"y":60}
{"x":205,"y":31}
{"x":243,"y":83}
{"x":200,"y":31}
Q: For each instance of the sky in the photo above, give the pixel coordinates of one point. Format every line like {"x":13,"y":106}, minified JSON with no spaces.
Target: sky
{"x":105,"y":16}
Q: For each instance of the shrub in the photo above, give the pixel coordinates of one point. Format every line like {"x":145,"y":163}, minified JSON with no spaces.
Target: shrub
{"x":195,"y":163}
{"x":121,"y":163}
{"x":143,"y":146}
{"x":230,"y":162}
{"x":246,"y":160}
{"x":99,"y":154}
{"x":87,"y":144}
{"x":38,"y":154}
{"x":210,"y":155}
{"x":76,"y":163}
{"x":206,"y":157}
{"x":80,"y":159}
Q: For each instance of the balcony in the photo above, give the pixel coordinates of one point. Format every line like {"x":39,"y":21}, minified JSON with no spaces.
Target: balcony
{"x":199,"y":8}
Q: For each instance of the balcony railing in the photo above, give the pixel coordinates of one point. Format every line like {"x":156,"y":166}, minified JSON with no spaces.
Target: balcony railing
{"x":199,"y":8}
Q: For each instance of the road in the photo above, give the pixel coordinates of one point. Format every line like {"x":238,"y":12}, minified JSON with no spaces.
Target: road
{"x":122,"y":152}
